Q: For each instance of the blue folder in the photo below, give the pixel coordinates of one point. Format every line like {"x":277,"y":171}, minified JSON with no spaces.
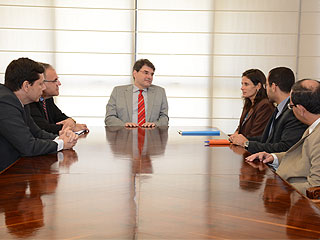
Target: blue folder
{"x":200,"y":133}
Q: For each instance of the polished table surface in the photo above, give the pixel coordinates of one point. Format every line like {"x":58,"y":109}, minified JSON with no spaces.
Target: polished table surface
{"x":172,"y":188}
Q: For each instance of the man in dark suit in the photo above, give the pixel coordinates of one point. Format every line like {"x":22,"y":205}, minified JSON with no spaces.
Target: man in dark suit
{"x":283,"y":129}
{"x":45,"y":112}
{"x":19,"y":135}
{"x":123,"y":108}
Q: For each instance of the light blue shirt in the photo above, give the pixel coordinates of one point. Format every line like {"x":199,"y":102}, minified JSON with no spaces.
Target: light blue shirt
{"x":280,"y":108}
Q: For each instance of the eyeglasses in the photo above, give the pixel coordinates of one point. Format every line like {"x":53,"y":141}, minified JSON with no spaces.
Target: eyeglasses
{"x":290,"y":106}
{"x":147,"y":73}
{"x":53,"y":81}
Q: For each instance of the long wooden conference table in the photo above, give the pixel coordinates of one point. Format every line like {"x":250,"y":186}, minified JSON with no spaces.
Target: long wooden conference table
{"x":174,"y":187}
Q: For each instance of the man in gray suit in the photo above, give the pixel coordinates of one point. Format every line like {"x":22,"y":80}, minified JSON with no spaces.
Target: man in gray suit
{"x":122,"y":108}
{"x":300,"y":165}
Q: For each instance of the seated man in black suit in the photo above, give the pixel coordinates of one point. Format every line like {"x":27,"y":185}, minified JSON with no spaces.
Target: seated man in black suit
{"x":283,"y":129}
{"x":19,"y":135}
{"x":45,"y":113}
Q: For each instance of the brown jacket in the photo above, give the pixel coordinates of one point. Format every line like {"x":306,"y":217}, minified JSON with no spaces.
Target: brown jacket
{"x":256,"y":120}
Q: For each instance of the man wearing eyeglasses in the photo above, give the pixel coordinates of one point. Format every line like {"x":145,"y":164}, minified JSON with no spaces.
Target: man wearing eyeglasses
{"x":140,"y":104}
{"x":300,"y":165}
{"x":283,"y":129}
{"x":19,"y":135}
{"x":45,"y":113}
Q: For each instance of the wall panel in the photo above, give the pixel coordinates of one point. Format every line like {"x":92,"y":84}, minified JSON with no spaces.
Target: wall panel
{"x":256,"y":22}
{"x":182,"y":86}
{"x":310,"y":5}
{"x":192,"y":5}
{"x":309,"y":45}
{"x":181,"y":65}
{"x":95,"y":42}
{"x":236,"y":65}
{"x":310,"y":23}
{"x":309,"y":67}
{"x":90,"y":85}
{"x":91,"y":63}
{"x":33,"y":40}
{"x":255,"y":44}
{"x":100,"y":19}
{"x":175,"y":21}
{"x":175,"y":43}
{"x":257,"y":5}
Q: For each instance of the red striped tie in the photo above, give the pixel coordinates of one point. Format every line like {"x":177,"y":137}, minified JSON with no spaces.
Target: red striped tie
{"x":141,"y":109}
{"x":44,"y":105}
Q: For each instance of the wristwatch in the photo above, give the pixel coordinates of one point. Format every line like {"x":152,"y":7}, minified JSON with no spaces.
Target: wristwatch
{"x":246,"y":144}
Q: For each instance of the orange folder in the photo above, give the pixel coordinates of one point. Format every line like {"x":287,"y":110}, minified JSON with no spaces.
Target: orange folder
{"x":218,"y":142}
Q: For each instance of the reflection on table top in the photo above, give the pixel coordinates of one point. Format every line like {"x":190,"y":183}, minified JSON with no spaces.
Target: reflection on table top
{"x":153,"y":184}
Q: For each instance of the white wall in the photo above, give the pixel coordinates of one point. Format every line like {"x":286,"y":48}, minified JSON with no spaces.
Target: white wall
{"x":199,"y":47}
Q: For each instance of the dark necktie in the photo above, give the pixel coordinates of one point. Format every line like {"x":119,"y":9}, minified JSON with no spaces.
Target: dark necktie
{"x":44,"y":106}
{"x":273,"y":118}
{"x":141,"y":109}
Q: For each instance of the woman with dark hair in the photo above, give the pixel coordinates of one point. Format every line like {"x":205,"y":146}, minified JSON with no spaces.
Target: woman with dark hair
{"x":257,"y":109}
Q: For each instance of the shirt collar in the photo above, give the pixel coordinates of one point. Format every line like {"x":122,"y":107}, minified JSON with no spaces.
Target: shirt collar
{"x":282,"y":104}
{"x":21,"y":103}
{"x":313,"y":125}
{"x":136,"y":89}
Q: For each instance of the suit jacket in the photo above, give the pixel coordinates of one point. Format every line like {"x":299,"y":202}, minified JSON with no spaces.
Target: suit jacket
{"x":286,"y":131}
{"x":119,"y":108}
{"x":54,"y":114}
{"x":300,"y":165}
{"x":19,"y":135}
{"x":257,"y":119}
